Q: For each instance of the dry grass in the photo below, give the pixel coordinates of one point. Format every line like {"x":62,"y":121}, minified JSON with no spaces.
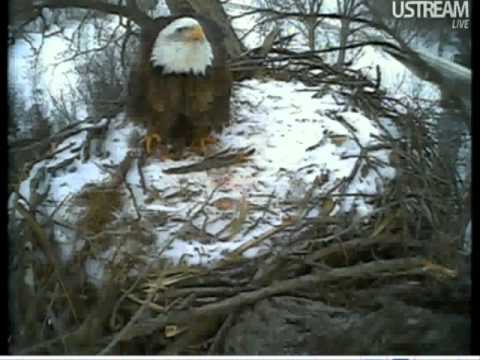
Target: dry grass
{"x":100,"y":204}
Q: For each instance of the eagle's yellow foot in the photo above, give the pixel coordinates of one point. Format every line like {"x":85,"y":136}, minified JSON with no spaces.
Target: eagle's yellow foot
{"x":200,"y":145}
{"x":150,"y":141}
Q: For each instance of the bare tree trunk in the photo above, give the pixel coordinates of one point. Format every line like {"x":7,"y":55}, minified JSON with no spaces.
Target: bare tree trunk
{"x":346,"y":8}
{"x":381,"y":24}
{"x":311,"y":37}
{"x":442,"y":42}
{"x":311,"y":25}
{"x":344,"y":32}
{"x":179,"y":6}
{"x":213,"y":10}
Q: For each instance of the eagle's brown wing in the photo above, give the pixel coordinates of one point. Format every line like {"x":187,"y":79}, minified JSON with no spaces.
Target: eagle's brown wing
{"x":222,"y":80}
{"x":138,"y":108}
{"x":150,"y":101}
{"x":208,"y":102}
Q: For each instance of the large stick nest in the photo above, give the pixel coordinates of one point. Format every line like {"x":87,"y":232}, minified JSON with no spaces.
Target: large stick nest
{"x":405,"y":251}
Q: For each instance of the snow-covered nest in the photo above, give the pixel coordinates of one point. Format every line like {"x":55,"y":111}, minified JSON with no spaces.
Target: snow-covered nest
{"x":201,"y":217}
{"x":308,"y":143}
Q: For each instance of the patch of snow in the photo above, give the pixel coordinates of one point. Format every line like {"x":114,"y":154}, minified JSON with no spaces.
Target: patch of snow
{"x":75,"y":178}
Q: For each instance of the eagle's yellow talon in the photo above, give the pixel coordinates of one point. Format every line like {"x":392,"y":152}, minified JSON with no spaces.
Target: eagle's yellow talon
{"x":150,"y":141}
{"x":200,"y":145}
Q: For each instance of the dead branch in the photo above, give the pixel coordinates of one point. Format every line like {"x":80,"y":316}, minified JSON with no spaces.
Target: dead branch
{"x":130,"y":11}
{"x":258,"y":240}
{"x":367,"y":270}
{"x":221,"y":159}
{"x":221,"y":333}
{"x":349,"y":246}
{"x":119,"y":336}
{"x":49,"y":250}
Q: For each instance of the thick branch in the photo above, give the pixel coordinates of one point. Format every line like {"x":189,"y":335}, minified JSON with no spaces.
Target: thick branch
{"x":130,"y":12}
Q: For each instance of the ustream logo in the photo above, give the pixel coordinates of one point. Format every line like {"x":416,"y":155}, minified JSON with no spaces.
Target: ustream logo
{"x":456,"y":10}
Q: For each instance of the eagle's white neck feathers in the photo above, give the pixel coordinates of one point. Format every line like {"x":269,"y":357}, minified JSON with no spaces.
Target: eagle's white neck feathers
{"x":177,"y":56}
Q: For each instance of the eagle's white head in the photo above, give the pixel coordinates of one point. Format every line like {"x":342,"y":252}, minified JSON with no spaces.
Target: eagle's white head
{"x":182,"y":47}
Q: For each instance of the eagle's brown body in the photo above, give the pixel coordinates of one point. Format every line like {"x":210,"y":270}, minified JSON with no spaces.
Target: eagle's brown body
{"x":181,"y":108}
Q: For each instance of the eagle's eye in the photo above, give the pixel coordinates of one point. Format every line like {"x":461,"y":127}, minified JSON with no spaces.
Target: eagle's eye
{"x":181,"y":29}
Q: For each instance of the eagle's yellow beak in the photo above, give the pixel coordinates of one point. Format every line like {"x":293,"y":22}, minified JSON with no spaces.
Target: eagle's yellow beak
{"x":196,"y":34}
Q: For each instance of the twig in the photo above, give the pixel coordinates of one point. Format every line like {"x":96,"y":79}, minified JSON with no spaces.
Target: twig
{"x":137,"y":281}
{"x":119,"y":336}
{"x":265,"y":236}
{"x":215,"y":161}
{"x":49,"y":251}
{"x":151,"y":305}
{"x":134,"y":200}
{"x":140,"y":164}
{"x":221,"y":333}
{"x":349,"y":245}
{"x":37,"y":347}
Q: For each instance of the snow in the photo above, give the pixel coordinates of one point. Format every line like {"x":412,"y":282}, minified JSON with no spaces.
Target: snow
{"x":72,"y":182}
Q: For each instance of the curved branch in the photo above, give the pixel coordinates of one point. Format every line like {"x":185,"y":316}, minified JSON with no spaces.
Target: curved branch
{"x":130,"y":11}
{"x":300,"y":15}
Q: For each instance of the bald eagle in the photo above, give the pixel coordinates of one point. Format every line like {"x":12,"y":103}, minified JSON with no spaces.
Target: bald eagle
{"x":180,"y":88}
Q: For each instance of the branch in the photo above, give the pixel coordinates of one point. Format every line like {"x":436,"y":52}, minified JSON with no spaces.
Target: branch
{"x":224,"y":158}
{"x":397,"y":267}
{"x":306,"y":54}
{"x":130,"y":11}
{"x":302,"y":16}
